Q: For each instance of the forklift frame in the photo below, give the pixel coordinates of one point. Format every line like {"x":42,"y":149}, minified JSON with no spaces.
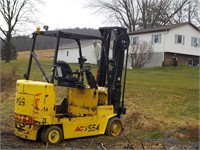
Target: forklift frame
{"x":86,"y":110}
{"x":110,"y":78}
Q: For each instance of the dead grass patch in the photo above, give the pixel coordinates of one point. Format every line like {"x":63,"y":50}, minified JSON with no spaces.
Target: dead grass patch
{"x":8,"y":80}
{"x":188,"y":130}
{"x":136,"y":120}
{"x":41,"y":54}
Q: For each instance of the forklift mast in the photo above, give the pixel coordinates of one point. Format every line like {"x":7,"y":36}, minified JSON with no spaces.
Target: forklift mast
{"x":111,"y":69}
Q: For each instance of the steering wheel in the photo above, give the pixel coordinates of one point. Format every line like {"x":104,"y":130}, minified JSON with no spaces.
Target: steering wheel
{"x":86,"y":68}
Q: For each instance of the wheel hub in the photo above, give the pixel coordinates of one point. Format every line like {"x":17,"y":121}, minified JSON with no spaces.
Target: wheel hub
{"x":53,"y":136}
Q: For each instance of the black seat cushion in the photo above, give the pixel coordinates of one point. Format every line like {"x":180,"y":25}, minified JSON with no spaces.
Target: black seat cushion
{"x":64,"y":73}
{"x":69,"y":79}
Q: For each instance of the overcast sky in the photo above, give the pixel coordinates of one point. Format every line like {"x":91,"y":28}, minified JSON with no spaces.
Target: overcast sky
{"x":61,"y":14}
{"x":68,"y":14}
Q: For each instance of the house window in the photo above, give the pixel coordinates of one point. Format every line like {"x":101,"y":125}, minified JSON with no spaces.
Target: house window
{"x":156,"y":38}
{"x":135,"y":40}
{"x":195,"y":42}
{"x":190,"y":62}
{"x":179,"y":39}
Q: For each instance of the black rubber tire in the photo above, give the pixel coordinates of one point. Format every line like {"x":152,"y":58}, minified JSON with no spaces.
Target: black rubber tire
{"x":114,"y":127}
{"x":51,"y":135}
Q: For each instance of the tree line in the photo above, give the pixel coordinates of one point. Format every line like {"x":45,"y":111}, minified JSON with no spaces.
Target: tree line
{"x":23,"y":43}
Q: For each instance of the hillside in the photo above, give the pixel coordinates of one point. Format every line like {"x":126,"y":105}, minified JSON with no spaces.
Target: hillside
{"x":23,"y":43}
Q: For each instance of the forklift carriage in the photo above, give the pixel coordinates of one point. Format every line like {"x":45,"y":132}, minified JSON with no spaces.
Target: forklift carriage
{"x":87,"y":109}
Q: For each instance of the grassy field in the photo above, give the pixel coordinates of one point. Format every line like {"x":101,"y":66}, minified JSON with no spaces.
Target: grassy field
{"x":161,"y":102}
{"x":165,"y":99}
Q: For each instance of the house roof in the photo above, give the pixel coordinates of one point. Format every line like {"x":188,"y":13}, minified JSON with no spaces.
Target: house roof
{"x":84,"y":43}
{"x":75,"y":45}
{"x":163,"y":28}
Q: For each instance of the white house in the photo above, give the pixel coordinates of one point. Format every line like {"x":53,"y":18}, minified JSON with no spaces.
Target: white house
{"x":179,"y":40}
{"x":90,"y":50}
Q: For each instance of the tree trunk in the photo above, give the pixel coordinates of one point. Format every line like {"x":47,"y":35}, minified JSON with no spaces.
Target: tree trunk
{"x":8,"y":47}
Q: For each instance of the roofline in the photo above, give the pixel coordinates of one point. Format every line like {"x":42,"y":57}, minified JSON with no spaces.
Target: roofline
{"x":156,"y":29}
{"x":198,"y":29}
{"x":67,"y":46}
{"x":152,"y":31}
{"x":197,"y":55}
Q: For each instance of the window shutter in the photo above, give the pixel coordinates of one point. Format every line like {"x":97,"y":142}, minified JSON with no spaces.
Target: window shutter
{"x":152,"y":39}
{"x":137,"y":40}
{"x":199,"y":42}
{"x":176,"y":38}
{"x":192,"y":41}
{"x":159,"y":38}
{"x":131,"y":40}
{"x":183,"y":38}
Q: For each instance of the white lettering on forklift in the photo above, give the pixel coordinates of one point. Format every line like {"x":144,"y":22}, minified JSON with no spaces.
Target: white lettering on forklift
{"x":89,"y":128}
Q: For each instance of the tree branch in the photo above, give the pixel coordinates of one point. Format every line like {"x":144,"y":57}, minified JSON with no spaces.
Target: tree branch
{"x":3,"y":40}
{"x":175,"y":12}
{"x":4,"y":32}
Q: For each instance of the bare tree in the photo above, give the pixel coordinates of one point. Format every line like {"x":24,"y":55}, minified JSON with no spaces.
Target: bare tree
{"x":125,"y":12}
{"x":158,"y":12}
{"x":153,"y":13}
{"x":140,"y":54}
{"x":134,"y":14}
{"x":14,"y":14}
{"x":190,"y":12}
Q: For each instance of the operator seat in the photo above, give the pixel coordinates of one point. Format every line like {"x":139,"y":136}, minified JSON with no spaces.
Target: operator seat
{"x":64,"y":74}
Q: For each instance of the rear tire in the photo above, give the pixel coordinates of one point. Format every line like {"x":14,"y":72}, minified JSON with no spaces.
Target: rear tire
{"x":114,"y":127}
{"x":51,"y":135}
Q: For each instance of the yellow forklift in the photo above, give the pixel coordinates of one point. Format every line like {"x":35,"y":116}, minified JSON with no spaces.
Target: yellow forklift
{"x":88,"y":109}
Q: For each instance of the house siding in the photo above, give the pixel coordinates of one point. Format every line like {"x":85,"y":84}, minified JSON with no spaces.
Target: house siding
{"x":157,"y":57}
{"x":71,"y":55}
{"x":188,"y":32}
{"x":167,"y":47}
{"x":158,"y":47}
{"x":156,"y":60}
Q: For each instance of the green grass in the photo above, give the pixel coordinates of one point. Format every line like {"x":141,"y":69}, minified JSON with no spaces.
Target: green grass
{"x":165,"y":92}
{"x":167,"y":96}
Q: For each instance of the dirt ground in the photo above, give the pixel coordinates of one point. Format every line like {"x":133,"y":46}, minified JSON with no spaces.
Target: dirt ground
{"x":135,"y":122}
{"x":124,"y":141}
{"x":10,"y":141}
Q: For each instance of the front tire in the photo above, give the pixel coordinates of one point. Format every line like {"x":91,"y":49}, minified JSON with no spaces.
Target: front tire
{"x":51,"y":135}
{"x":114,"y":127}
